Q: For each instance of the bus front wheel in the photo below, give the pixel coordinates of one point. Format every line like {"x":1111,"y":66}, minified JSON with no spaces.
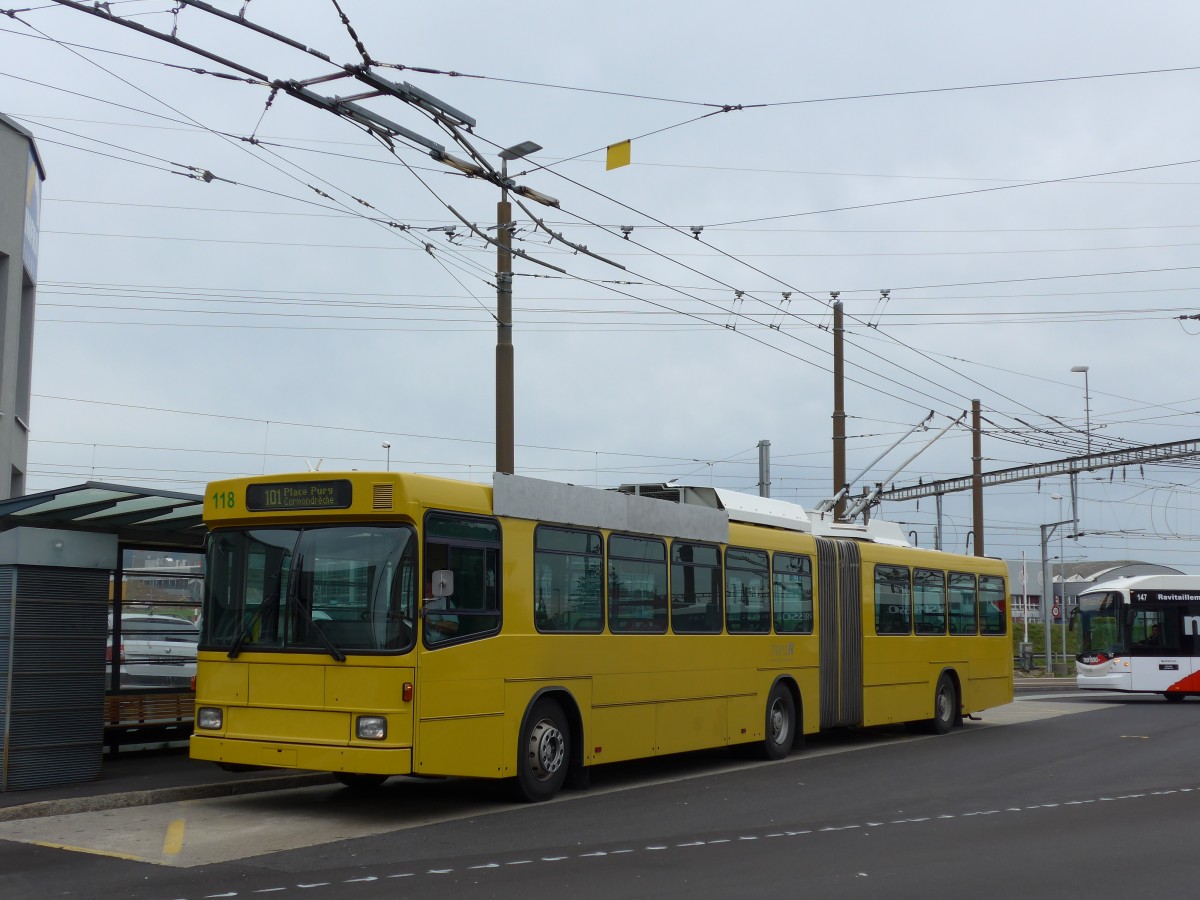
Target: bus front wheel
{"x":544,"y":752}
{"x":781,"y":723}
{"x":1173,"y":696}
{"x":358,"y":781}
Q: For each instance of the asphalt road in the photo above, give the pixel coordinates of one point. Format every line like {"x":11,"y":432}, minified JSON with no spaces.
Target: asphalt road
{"x":1051,"y":796}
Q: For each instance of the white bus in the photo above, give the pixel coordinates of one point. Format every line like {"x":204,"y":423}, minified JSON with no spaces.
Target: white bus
{"x":1140,"y":635}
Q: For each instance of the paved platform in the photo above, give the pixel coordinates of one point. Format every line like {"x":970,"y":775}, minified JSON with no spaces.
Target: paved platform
{"x":145,"y":777}
{"x":167,"y":775}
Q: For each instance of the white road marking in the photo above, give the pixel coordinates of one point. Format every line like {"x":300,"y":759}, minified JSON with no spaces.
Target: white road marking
{"x":816,"y":831}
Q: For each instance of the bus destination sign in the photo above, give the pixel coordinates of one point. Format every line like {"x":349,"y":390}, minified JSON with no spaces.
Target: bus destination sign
{"x":1169,"y":597}
{"x":288,"y":495}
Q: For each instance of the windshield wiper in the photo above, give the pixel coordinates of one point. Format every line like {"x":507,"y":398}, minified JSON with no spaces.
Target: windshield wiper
{"x":273,"y":600}
{"x":293,"y":602}
{"x":241,"y":638}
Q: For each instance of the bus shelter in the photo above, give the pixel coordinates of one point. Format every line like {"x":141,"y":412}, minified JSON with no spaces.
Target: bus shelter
{"x":99,"y":594}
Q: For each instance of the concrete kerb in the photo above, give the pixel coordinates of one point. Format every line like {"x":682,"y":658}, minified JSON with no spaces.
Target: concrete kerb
{"x":68,"y":805}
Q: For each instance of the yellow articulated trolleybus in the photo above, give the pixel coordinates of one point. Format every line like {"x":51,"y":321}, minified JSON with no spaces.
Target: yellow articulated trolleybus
{"x":389,"y":624}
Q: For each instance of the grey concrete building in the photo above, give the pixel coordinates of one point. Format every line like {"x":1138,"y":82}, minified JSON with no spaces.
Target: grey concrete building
{"x":21,"y":177}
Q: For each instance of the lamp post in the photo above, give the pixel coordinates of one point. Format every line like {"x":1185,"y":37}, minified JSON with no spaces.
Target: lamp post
{"x":1062,"y":579}
{"x":505,"y":441}
{"x":1087,"y":407}
{"x":388,"y":447}
{"x":1047,"y":596}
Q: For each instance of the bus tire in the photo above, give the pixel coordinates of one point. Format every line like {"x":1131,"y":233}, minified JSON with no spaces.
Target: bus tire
{"x":544,"y":752}
{"x":358,"y":781}
{"x":1174,"y":696}
{"x":781,"y":723}
{"x":945,"y":706}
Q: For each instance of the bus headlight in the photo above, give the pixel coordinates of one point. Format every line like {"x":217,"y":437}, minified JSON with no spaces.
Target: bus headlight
{"x":370,"y":728}
{"x":209,"y":717}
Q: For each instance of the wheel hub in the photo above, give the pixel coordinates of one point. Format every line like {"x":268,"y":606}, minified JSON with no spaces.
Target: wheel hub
{"x":547,"y":749}
{"x":779,"y":723}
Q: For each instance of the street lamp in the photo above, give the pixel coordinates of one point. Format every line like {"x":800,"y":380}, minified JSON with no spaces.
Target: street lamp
{"x":1087,"y":406}
{"x":388,"y":447}
{"x":504,"y":346}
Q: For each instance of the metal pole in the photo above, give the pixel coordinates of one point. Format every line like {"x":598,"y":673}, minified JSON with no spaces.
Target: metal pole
{"x":1087,"y":411}
{"x":764,"y":468}
{"x":1062,"y":578}
{"x":1024,"y":597}
{"x":977,"y":477}
{"x":1087,"y":406}
{"x":1047,"y":598}
{"x":505,"y":440}
{"x":839,"y":409}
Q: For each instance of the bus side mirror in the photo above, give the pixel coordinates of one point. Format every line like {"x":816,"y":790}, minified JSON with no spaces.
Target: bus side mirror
{"x":443,"y":583}
{"x":1071,"y":619}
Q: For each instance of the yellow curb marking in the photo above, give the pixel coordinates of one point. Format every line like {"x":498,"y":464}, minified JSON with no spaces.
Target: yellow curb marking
{"x":173,"y":841}
{"x":91,"y":850}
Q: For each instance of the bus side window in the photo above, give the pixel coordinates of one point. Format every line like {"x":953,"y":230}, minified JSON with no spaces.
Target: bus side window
{"x":747,"y":584}
{"x":1150,"y":632}
{"x":637,"y":584}
{"x":929,"y":598}
{"x":793,"y":594}
{"x":568,"y":583}
{"x":893,"y":600}
{"x":962,"y":603}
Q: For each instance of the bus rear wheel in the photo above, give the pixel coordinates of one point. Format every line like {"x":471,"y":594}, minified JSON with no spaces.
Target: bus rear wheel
{"x":544,"y":752}
{"x":357,"y":781}
{"x":1173,"y":696}
{"x":945,"y":706}
{"x":781,"y":723}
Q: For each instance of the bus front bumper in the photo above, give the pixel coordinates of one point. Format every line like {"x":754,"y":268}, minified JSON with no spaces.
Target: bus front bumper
{"x":275,"y":755}
{"x":1110,"y":675}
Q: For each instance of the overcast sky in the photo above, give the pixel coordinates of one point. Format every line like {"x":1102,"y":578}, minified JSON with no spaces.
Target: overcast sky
{"x":1021,"y":177}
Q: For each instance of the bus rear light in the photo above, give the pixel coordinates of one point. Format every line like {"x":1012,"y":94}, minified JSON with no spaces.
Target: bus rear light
{"x":370,"y":728}
{"x":408,"y":692}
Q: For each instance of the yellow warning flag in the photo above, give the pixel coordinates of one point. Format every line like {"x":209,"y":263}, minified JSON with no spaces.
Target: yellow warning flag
{"x":618,"y":155}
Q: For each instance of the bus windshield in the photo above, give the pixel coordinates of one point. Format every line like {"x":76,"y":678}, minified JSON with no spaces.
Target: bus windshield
{"x":1100,"y":625}
{"x":338,"y":589}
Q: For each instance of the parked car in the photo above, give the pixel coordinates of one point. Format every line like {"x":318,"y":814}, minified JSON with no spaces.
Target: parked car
{"x":155,"y":650}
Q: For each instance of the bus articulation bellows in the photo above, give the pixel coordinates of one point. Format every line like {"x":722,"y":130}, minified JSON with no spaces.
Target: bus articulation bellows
{"x":379,"y":624}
